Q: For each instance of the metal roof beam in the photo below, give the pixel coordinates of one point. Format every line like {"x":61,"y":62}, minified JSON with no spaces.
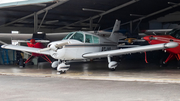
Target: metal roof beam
{"x":25,"y":2}
{"x":104,"y":13}
{"x":149,"y":15}
{"x":39,"y":12}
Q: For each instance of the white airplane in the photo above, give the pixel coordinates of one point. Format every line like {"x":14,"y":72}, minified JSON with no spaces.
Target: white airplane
{"x":82,"y":45}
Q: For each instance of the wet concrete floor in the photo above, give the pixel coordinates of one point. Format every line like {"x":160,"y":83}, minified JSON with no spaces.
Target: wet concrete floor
{"x":127,"y":70}
{"x":25,"y":88}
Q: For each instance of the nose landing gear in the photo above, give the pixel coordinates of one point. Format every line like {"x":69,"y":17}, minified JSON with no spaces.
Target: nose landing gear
{"x":62,"y":68}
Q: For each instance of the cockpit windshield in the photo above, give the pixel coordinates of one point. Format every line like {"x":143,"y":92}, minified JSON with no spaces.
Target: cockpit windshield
{"x":76,"y":36}
{"x":67,"y":36}
{"x":175,"y":33}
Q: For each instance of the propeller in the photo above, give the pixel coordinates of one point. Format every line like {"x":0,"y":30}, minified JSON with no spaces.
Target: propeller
{"x":54,"y":46}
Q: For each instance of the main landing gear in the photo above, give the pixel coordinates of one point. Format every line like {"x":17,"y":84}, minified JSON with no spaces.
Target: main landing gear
{"x":61,"y":66}
{"x":163,"y":62}
{"x":112,"y":64}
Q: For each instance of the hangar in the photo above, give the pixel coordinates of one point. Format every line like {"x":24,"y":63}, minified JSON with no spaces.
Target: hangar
{"x":24,"y":19}
{"x":59,"y":16}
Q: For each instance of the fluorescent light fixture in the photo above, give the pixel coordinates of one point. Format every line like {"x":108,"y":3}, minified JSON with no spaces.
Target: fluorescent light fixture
{"x":93,"y":10}
{"x":136,"y":15}
{"x":172,"y":3}
{"x":15,"y":32}
{"x":39,"y":32}
{"x":52,"y":21}
{"x":15,"y":3}
{"x":10,"y":1}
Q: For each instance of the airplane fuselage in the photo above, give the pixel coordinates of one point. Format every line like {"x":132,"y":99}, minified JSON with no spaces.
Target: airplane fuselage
{"x":77,"y":49}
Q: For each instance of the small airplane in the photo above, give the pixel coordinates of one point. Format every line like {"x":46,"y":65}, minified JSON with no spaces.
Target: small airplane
{"x":154,"y":32}
{"x":82,"y":45}
{"x":171,"y":36}
{"x":35,"y":44}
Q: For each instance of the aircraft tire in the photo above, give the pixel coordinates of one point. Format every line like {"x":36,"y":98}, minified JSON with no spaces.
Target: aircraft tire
{"x":22,"y":66}
{"x":178,"y":64}
{"x":162,"y":63}
{"x":63,"y":71}
{"x":113,"y":69}
{"x":60,"y":72}
{"x":32,"y":63}
{"x":55,"y":68}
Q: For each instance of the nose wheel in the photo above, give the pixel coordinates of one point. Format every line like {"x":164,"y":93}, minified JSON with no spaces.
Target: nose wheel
{"x":62,"y":68}
{"x":61,"y":72}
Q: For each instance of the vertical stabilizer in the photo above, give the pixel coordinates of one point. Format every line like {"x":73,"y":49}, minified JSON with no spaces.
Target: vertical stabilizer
{"x":116,"y":26}
{"x":116,"y":36}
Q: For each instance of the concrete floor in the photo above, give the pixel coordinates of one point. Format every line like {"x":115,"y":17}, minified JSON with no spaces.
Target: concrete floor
{"x":20,"y":88}
{"x":91,"y":81}
{"x":128,"y":70}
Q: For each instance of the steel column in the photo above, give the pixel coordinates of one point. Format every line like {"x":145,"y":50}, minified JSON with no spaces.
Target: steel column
{"x":35,"y":22}
{"x":42,"y":20}
{"x":91,"y":23}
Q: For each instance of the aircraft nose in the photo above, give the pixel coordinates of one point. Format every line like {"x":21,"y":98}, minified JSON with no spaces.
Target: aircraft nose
{"x":146,"y":38}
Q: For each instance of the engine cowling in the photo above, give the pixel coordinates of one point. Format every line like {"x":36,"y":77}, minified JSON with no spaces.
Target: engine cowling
{"x":59,"y":54}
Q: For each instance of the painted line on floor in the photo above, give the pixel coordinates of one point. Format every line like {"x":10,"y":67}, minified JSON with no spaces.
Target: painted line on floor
{"x":86,"y":77}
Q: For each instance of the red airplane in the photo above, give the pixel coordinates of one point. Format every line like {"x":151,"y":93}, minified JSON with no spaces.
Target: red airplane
{"x":173,"y":36}
{"x":36,"y":45}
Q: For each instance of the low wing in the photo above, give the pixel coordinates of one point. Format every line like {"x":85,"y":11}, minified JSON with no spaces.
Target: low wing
{"x":131,"y":50}
{"x":24,"y":41}
{"x":24,"y":48}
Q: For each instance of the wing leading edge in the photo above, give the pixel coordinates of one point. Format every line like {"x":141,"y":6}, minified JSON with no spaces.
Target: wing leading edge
{"x":131,"y":50}
{"x":25,"y":49}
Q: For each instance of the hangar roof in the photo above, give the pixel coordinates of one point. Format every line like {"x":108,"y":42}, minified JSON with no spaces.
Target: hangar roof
{"x":78,"y":14}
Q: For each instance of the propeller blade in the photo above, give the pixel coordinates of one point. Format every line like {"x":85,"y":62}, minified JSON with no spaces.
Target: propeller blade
{"x":61,"y":44}
{"x":53,"y":47}
{"x":44,"y":49}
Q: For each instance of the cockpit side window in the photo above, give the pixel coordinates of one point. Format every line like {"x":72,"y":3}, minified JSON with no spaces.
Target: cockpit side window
{"x":96,"y":39}
{"x":88,"y":39}
{"x":78,"y":36}
{"x":174,"y":33}
{"x":177,"y":35}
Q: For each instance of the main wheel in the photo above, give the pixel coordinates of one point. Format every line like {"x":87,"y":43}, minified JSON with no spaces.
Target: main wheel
{"x":59,"y":72}
{"x":55,"y":68}
{"x":162,"y":62}
{"x":178,"y":64}
{"x":64,"y":71}
{"x":112,"y":69}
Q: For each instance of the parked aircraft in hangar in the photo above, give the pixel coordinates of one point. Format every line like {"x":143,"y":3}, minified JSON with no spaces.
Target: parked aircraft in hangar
{"x":82,"y":45}
{"x":172,"y":36}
